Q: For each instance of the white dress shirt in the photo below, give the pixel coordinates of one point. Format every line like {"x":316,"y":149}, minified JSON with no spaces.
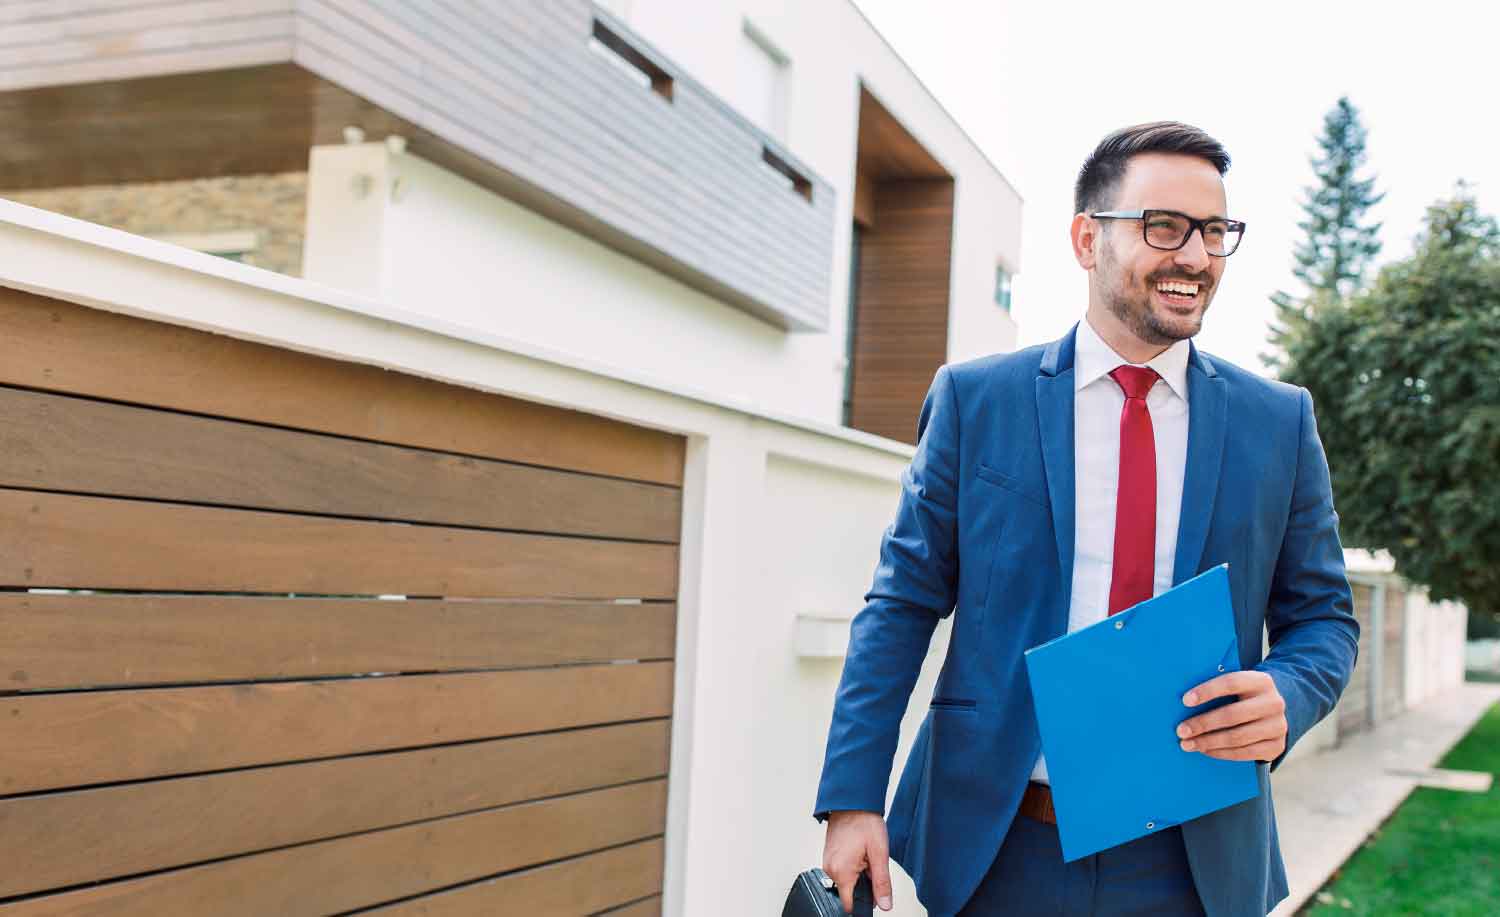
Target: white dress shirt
{"x":1098,"y":401}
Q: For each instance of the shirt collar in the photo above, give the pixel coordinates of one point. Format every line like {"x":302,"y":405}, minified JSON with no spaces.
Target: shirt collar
{"x":1093,"y":359}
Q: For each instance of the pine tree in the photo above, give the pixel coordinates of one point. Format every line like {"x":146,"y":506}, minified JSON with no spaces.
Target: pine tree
{"x":1338,"y":248}
{"x":1333,"y":257}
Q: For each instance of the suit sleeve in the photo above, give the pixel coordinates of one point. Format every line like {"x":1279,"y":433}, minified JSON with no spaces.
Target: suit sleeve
{"x":915,"y":584}
{"x":1313,"y":634}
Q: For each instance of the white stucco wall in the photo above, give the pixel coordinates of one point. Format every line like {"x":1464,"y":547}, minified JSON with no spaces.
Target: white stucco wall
{"x":1434,"y":649}
{"x":452,"y":250}
{"x":1432,"y":644}
{"x":819,"y":521}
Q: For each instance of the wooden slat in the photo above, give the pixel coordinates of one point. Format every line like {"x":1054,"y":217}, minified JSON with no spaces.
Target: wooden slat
{"x":113,"y":69}
{"x":55,"y":642}
{"x":901,"y":321}
{"x":59,"y":540}
{"x":177,"y":125}
{"x":99,"y":23}
{"x":651,"y":907}
{"x":68,"y":348}
{"x":350,"y":872}
{"x":74,"y":444}
{"x":142,"y":827}
{"x":79,"y":16}
{"x":52,"y":741}
{"x":578,"y":886}
{"x":61,"y":53}
{"x":864,"y":198}
{"x":887,"y":149}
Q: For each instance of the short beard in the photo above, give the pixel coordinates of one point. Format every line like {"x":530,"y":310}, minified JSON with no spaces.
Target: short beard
{"x":1142,"y":320}
{"x":1144,"y":323}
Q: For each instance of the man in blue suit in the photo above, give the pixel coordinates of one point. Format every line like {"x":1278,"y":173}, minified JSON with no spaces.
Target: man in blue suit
{"x":1050,"y":488}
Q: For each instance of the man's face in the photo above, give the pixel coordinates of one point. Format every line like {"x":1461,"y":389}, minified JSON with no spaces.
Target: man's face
{"x":1130,"y":277}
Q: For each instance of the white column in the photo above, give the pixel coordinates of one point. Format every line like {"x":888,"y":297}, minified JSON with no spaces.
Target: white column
{"x":708,"y":806}
{"x":349,"y":191}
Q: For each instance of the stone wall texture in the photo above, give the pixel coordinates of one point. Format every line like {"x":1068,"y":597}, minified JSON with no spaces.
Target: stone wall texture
{"x":274,"y":207}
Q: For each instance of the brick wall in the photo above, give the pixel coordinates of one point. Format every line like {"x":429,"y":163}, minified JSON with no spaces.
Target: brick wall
{"x":274,"y":207}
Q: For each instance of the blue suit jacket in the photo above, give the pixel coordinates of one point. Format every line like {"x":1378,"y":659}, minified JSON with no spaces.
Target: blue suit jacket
{"x":984,"y":527}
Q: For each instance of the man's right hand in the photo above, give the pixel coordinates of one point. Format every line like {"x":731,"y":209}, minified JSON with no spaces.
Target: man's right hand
{"x":857,"y":841}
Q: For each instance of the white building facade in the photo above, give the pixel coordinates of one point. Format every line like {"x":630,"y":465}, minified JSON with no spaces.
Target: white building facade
{"x":797,"y":74}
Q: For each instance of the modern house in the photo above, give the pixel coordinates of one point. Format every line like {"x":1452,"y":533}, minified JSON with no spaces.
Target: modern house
{"x":445,"y":442}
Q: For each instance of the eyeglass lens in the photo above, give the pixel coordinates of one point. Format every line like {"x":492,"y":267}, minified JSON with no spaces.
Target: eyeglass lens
{"x":1168,"y":231}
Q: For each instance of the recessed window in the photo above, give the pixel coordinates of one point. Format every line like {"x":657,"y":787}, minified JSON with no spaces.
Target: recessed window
{"x":629,"y":60}
{"x":1002,"y":287}
{"x":794,"y":180}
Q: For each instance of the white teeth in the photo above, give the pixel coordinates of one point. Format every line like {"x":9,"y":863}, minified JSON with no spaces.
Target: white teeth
{"x":1172,"y":286}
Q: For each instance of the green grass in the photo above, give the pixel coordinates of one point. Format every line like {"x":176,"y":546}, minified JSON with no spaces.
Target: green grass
{"x":1438,"y":854}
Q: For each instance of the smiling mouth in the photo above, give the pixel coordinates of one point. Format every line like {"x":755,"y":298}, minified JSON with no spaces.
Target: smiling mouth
{"x":1179,"y":292}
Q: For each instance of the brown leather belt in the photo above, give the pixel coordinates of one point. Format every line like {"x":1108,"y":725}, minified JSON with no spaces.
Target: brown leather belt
{"x":1036,"y":803}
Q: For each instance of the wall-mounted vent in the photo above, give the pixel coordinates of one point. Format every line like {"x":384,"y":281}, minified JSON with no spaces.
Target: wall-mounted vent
{"x":795,"y":180}
{"x":629,"y":59}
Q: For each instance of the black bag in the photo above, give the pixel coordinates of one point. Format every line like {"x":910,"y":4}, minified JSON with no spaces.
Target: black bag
{"x":813,"y":895}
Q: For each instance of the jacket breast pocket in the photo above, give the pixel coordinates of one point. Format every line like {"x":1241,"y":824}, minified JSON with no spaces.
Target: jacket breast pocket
{"x":1005,"y":481}
{"x":953,"y":703}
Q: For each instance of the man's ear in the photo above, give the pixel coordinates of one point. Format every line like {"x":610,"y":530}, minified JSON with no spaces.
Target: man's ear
{"x":1085,"y":233}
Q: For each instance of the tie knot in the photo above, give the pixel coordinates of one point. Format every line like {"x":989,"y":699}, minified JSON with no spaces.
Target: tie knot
{"x":1135,"y":380}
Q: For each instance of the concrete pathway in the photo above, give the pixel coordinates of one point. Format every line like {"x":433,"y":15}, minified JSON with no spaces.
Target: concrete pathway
{"x":1328,"y":803}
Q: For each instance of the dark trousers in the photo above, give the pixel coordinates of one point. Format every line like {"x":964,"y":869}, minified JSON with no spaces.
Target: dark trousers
{"x":1147,"y":876}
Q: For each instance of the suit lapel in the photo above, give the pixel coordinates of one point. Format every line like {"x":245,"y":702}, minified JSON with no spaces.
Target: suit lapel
{"x":1208,"y":398}
{"x":1054,"y":411}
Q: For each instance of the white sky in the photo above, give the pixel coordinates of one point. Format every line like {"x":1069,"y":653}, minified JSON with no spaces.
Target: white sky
{"x":1037,"y":84}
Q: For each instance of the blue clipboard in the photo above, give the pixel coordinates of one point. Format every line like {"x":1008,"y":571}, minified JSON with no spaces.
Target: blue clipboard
{"x":1108,"y":701}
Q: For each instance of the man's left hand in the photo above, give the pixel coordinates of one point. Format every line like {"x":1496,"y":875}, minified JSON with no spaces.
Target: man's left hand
{"x":1252,"y":728}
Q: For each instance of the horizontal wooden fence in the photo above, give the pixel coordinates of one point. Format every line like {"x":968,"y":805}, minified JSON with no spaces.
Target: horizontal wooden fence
{"x":286,"y":635}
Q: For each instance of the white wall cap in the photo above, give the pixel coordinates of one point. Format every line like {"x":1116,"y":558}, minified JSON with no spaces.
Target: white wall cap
{"x":1358,"y":560}
{"x":222,"y":242}
{"x":23,"y":217}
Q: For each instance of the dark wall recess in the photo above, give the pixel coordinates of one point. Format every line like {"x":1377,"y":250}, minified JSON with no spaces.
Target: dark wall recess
{"x":900,"y":281}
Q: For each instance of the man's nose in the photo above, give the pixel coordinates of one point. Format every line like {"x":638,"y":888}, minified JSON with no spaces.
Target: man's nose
{"x":1193,"y":255}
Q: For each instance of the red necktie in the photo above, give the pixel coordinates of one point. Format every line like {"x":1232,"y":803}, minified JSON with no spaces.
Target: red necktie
{"x":1135,"y":504}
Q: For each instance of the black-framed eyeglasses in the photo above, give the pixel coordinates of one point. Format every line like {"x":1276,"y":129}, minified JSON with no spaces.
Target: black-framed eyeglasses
{"x":1169,"y":230}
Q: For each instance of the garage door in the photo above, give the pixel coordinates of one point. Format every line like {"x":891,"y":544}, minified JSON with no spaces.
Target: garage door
{"x":287,"y":635}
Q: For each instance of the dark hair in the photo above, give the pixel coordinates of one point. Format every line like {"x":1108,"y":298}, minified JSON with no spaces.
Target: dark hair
{"x":1102,"y":171}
